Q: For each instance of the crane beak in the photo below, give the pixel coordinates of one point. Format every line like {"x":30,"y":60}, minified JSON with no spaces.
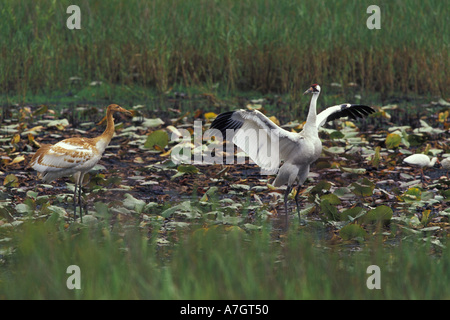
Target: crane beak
{"x":127,"y":112}
{"x":310,"y":90}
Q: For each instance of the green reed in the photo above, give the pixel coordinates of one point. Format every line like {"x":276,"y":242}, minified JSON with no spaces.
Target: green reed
{"x":267,"y":46}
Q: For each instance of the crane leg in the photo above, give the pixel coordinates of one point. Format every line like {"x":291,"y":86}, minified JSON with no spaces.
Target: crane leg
{"x":80,"y":183}
{"x":300,"y":220}
{"x":75,"y":202}
{"x":423,"y":177}
{"x":296,"y":202}
{"x":286,"y":196}
{"x":80,"y":204}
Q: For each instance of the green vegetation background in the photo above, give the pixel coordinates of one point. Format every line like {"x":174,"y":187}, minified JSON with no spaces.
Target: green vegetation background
{"x":267,"y":46}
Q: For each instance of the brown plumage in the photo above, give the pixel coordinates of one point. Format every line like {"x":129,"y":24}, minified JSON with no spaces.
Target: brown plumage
{"x":74,"y":156}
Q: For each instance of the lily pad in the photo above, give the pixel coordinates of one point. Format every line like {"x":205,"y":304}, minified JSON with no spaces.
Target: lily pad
{"x":101,"y":210}
{"x":60,"y":124}
{"x":352,"y":232}
{"x":320,"y":187}
{"x":157,"y":140}
{"x":184,"y":209}
{"x":132,"y":203}
{"x":350,"y":214}
{"x":363,"y":187}
{"x":334,"y":150}
{"x":58,"y":210}
{"x":328,"y":209}
{"x":393,"y":140}
{"x":11,"y":181}
{"x":150,"y":123}
{"x":185,"y":169}
{"x":381,"y":214}
{"x":332,"y":199}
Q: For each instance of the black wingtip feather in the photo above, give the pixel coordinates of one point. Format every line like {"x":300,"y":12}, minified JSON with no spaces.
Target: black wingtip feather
{"x":353,"y":111}
{"x":224,"y":121}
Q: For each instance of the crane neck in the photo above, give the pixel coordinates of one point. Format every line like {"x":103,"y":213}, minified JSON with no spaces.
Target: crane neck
{"x":107,"y":135}
{"x":433,"y":162}
{"x":310,"y":125}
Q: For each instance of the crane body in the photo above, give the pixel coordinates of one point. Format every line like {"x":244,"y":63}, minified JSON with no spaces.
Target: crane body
{"x":297,"y":150}
{"x":74,"y":156}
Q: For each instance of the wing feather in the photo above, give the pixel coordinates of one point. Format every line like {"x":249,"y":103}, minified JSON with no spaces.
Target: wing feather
{"x":353,"y":111}
{"x":64,"y":155}
{"x":265,"y":142}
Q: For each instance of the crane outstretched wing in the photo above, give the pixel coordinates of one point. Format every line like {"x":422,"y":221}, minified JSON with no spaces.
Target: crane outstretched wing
{"x":353,"y":111}
{"x":265,"y":142}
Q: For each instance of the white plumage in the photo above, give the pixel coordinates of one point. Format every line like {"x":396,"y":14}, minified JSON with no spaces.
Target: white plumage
{"x":74,"y":156}
{"x":446,"y":164}
{"x":66,"y":158}
{"x":421,"y":160}
{"x":267,"y":144}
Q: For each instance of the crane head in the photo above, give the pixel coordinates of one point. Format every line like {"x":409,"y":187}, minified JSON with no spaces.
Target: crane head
{"x":437,"y":164}
{"x":314,"y":89}
{"x":115,"y":107}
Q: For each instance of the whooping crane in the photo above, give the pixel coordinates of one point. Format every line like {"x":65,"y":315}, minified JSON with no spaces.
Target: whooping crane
{"x":421,"y":160}
{"x":298,"y":150}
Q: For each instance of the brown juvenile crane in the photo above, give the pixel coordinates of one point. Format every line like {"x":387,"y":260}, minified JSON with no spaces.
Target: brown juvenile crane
{"x":74,"y":156}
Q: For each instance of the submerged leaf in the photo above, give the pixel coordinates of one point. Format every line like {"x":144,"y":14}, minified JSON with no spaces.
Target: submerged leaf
{"x":57,"y":210}
{"x":352,"y":231}
{"x":43,"y":109}
{"x":336,"y":135}
{"x":381,"y":214}
{"x":329,"y":209}
{"x":393,"y":141}
{"x":60,"y":124}
{"x":132,"y":203}
{"x":334,"y":150}
{"x":363,"y":187}
{"x":101,"y":210}
{"x":375,"y":160}
{"x":187,"y":168}
{"x":11,"y":181}
{"x":184,"y":209}
{"x":353,"y":170}
{"x":350,"y":214}
{"x":151,"y":123}
{"x":17,"y":160}
{"x":321,"y":186}
{"x":332,"y":199}
{"x":157,"y":140}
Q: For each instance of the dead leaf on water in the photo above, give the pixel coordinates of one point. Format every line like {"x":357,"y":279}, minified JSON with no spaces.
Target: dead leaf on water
{"x":17,"y":160}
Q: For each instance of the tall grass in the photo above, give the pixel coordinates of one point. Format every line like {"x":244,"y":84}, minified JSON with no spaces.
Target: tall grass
{"x":276,"y":46}
{"x":214,"y":263}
